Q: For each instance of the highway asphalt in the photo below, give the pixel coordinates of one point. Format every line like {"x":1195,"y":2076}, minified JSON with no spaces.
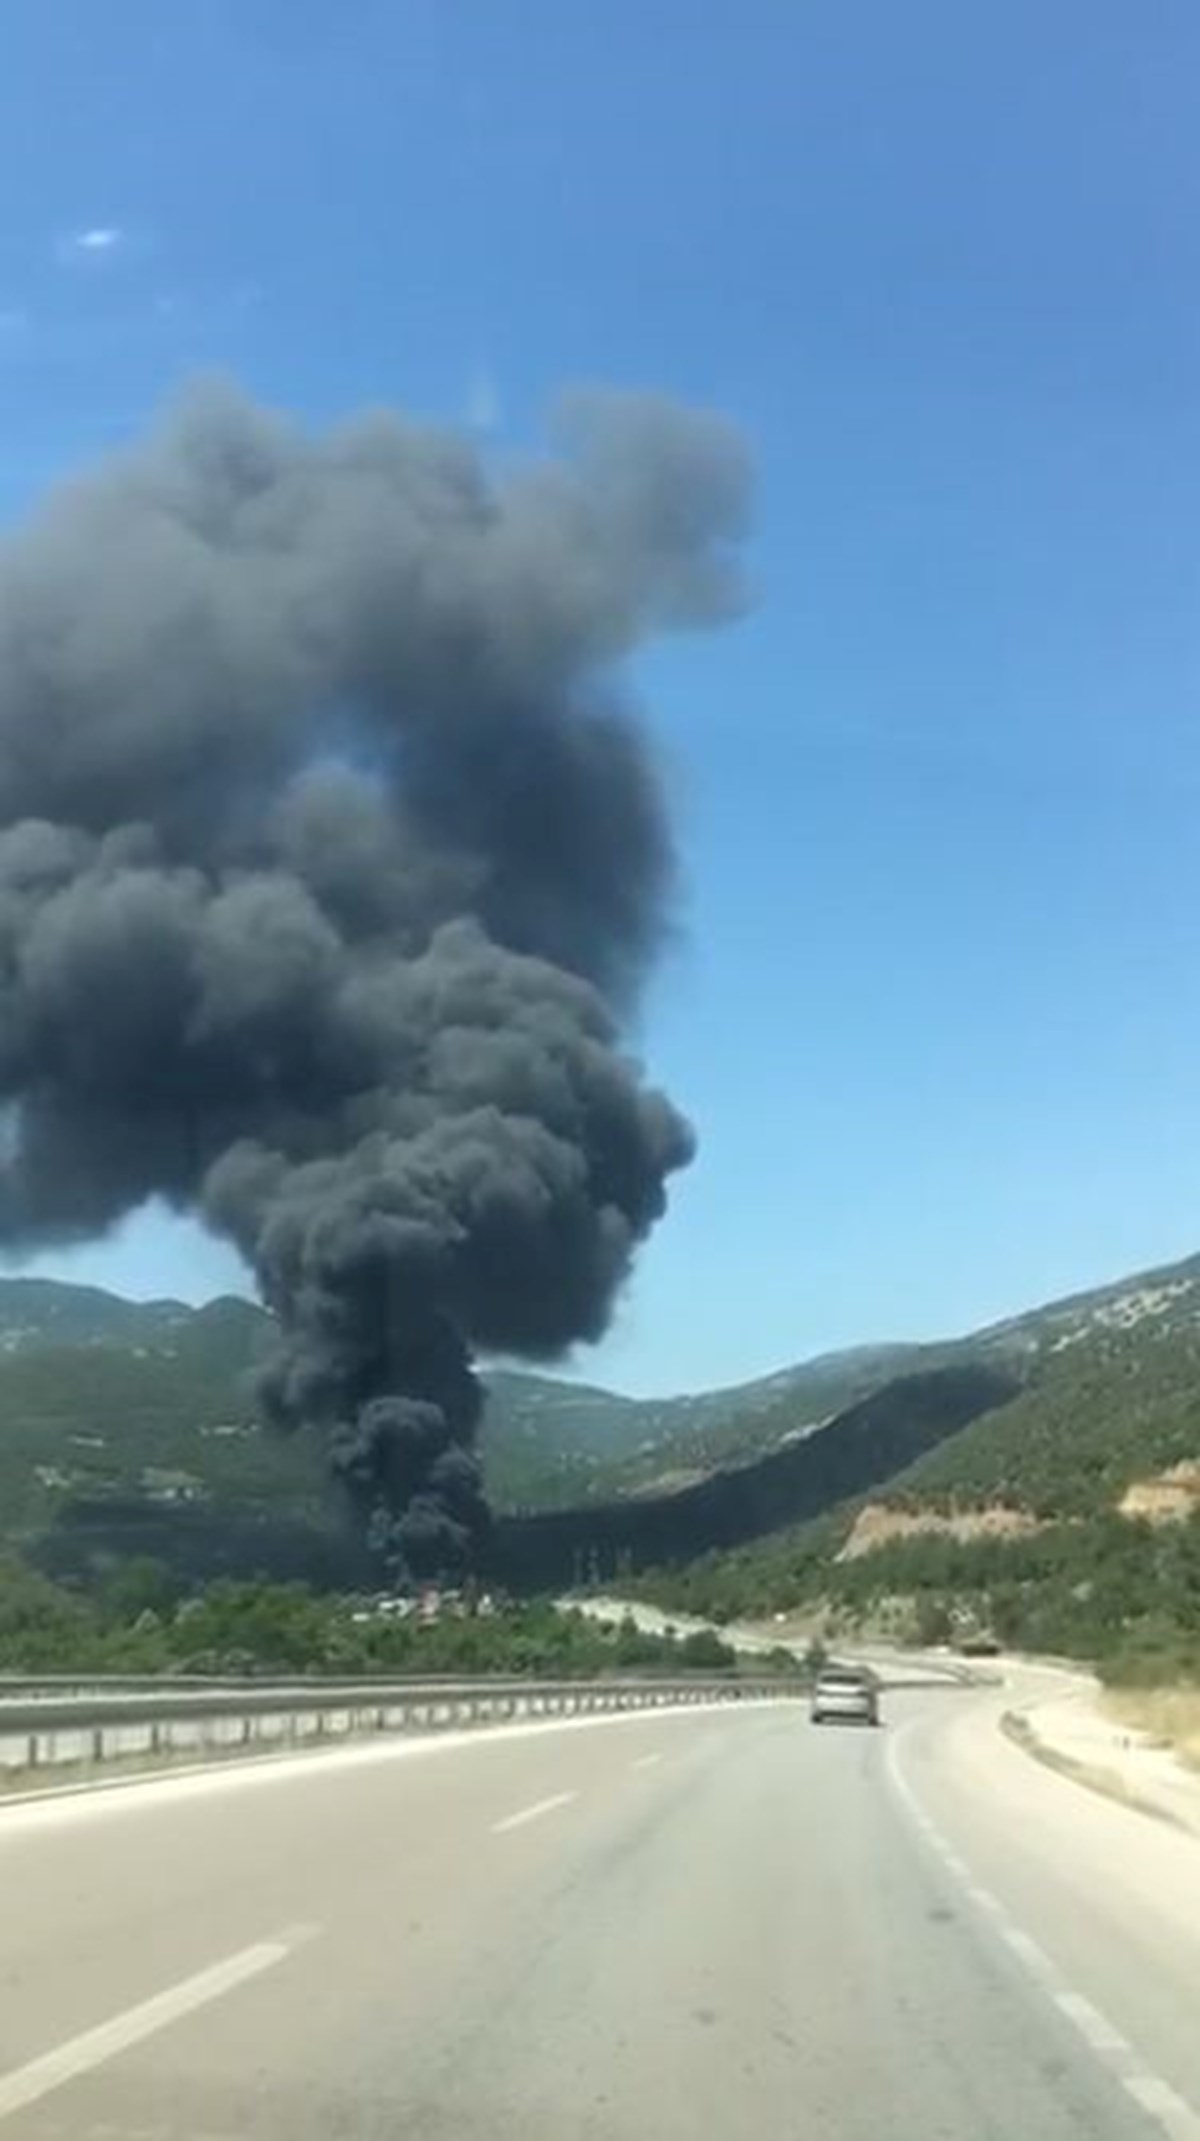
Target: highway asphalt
{"x":713,"y":1923}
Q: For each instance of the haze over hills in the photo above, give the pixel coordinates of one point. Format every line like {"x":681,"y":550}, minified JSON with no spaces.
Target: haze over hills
{"x":42,"y":1312}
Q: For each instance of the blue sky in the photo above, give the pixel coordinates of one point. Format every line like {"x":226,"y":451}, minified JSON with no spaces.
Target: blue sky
{"x":934,"y":1003}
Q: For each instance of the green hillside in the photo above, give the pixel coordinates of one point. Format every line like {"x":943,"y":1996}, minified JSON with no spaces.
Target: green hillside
{"x":553,"y":1445}
{"x":100,"y":1396}
{"x":1017,"y":1522}
{"x":175,"y":1423}
{"x":49,"y":1312}
{"x":1093,"y":1553}
{"x":1108,"y":1410}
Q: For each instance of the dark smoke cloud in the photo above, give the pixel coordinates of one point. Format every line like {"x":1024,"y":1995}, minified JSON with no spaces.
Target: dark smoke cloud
{"x":330,"y":860}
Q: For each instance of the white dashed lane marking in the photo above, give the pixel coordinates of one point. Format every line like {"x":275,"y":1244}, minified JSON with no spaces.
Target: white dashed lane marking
{"x":1093,"y":2025}
{"x":1163,"y":2103}
{"x":1034,"y":1958}
{"x":526,"y":1814}
{"x":983,"y":1899}
{"x":1156,"y":2097}
{"x":79,"y":2055}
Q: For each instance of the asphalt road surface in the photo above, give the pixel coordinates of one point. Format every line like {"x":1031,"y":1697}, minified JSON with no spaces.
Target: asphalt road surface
{"x":708,"y":1923}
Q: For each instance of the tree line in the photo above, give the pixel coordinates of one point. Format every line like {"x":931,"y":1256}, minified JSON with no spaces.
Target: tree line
{"x":137,"y":1620}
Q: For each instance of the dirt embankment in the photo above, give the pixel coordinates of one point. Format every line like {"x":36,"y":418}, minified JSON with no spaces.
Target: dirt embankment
{"x":1168,"y":1497}
{"x":881,"y":1525}
{"x":1169,"y":1717}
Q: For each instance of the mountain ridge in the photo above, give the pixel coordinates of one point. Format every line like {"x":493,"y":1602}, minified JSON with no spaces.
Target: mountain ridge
{"x":1066,"y":1519}
{"x":148,"y":1408}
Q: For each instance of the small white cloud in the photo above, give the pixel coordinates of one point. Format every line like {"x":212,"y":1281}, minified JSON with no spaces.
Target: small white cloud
{"x":482,"y":408}
{"x":96,"y":241}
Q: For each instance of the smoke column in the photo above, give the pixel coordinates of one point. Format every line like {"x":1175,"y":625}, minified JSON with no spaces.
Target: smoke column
{"x":331,"y":860}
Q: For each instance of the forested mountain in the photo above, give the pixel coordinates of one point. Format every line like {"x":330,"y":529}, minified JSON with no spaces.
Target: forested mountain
{"x":131,"y":1427}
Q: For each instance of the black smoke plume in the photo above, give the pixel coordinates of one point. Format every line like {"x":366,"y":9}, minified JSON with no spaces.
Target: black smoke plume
{"x":331,"y":860}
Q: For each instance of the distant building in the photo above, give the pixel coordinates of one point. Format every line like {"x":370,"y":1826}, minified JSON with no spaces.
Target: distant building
{"x":160,"y":1483}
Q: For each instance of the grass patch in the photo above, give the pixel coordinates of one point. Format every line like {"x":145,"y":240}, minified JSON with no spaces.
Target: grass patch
{"x":1108,"y":1782}
{"x":1170,"y":1716}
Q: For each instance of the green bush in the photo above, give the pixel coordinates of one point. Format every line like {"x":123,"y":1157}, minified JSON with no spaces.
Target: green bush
{"x":1091,"y":1587}
{"x":232,"y":1627}
{"x":705,"y":1651}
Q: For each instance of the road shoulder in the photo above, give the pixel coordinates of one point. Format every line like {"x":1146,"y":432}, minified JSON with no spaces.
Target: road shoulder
{"x":1069,"y":1730}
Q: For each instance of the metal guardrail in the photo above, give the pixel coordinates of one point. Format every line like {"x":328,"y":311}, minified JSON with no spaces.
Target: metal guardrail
{"x":53,"y":1730}
{"x":66,"y":1685}
{"x":107,"y":1693}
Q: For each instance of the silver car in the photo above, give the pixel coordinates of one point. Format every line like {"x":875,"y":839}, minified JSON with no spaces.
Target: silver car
{"x":847,"y":1693}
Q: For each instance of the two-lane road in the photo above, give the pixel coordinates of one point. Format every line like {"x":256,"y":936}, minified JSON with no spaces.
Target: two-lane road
{"x":708,"y":1923}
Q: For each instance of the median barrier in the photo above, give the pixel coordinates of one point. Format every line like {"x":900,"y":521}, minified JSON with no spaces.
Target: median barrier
{"x":44,"y":1729}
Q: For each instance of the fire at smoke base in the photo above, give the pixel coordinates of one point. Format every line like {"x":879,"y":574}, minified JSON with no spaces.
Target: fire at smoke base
{"x":331,"y":860}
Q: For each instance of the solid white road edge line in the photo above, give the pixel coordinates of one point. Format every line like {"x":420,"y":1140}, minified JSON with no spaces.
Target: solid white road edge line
{"x":1161,"y":2101}
{"x":25,"y":2085}
{"x":1164,"y":2104}
{"x":129,"y":1793}
{"x":1095,"y":2027}
{"x":532,"y":1813}
{"x":1035,"y":1958}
